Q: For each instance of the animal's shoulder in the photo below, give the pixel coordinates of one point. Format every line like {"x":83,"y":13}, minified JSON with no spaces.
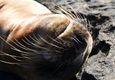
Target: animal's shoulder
{"x":22,"y":5}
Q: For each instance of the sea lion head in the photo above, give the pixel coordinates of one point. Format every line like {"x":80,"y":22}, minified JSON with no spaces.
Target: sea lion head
{"x":56,"y":47}
{"x":50,"y":46}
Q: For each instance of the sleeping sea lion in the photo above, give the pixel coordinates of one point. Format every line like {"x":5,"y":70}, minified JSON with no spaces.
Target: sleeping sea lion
{"x":37,"y":44}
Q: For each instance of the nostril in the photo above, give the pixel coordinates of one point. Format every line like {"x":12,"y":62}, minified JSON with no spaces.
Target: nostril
{"x":79,"y":42}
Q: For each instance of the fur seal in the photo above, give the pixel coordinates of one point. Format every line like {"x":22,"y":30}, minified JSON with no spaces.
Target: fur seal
{"x":37,"y":44}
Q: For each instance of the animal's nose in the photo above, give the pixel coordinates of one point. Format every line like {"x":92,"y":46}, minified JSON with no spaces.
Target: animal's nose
{"x":76,"y":35}
{"x":74,"y":28}
{"x":72,"y":32}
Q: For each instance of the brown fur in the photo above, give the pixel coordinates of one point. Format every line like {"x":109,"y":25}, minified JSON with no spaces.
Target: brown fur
{"x":30,"y":21}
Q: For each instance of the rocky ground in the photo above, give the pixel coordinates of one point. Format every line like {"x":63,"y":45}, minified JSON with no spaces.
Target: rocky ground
{"x":101,"y":16}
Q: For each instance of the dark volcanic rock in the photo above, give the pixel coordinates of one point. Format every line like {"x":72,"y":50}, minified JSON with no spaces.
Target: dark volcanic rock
{"x":101,"y":63}
{"x":86,"y":76}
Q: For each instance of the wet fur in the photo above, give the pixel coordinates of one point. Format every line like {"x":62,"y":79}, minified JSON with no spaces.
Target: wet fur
{"x":41,"y":45}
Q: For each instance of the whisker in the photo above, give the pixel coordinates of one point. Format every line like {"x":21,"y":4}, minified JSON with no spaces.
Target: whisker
{"x":22,"y":46}
{"x":6,"y":62}
{"x":12,"y":56}
{"x":26,"y":56}
{"x":45,"y":42}
{"x":19,"y":44}
{"x":75,"y":14}
{"x":39,"y":44}
{"x":55,"y":41}
{"x":21,"y":51}
{"x":88,"y":24}
{"x":30,"y":42}
{"x":49,"y":43}
{"x":70,"y":8}
{"x":79,"y":17}
{"x":37,"y":40}
{"x":12,"y":47}
{"x":76,"y":42}
{"x":84,"y":20}
{"x":77,"y":39}
{"x":65,"y":12}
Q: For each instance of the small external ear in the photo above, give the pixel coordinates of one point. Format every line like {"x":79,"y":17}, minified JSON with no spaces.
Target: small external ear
{"x":68,"y":32}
